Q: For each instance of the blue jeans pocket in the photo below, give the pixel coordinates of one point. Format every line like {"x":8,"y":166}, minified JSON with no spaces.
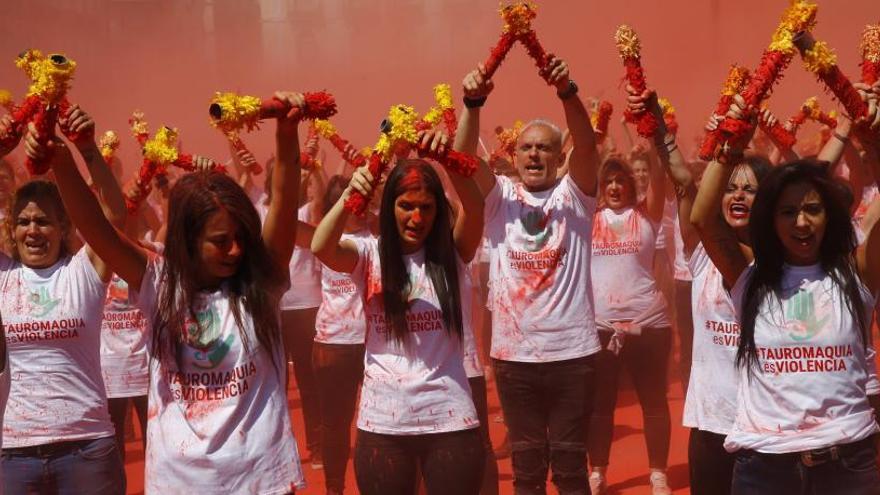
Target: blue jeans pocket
{"x":861,"y":460}
{"x":98,"y":449}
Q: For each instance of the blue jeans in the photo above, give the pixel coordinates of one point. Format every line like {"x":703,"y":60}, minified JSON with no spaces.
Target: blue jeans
{"x":546,"y":408}
{"x":853,"y":471}
{"x":87,"y":467}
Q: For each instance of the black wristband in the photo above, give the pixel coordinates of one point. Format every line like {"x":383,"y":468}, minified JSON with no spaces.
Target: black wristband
{"x":568,"y":92}
{"x":474,"y":102}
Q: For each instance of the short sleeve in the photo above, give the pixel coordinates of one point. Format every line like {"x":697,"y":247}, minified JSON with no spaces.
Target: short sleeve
{"x":587,"y":202}
{"x":146,"y":298}
{"x":86,"y":275}
{"x":737,"y":293}
{"x":492,"y":204}
{"x":699,"y":261}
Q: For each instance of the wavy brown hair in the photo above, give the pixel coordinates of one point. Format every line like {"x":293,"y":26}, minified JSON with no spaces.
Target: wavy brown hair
{"x":193,"y":200}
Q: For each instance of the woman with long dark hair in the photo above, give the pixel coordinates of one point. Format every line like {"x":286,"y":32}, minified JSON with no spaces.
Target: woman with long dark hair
{"x":804,"y":422}
{"x":416,"y":407}
{"x":217,"y":398}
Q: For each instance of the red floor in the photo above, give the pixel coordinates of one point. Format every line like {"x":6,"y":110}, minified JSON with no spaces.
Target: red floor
{"x":627,"y":474}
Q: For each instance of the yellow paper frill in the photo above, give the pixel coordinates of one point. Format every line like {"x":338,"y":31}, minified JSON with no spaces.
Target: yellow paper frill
{"x":820,"y":58}
{"x":665,"y":106}
{"x":627,"y":41}
{"x":50,"y":76}
{"x":5,"y":98}
{"x":138,"y":124}
{"x":811,"y":107}
{"x":799,"y":16}
{"x":518,"y":17}
{"x":443,"y":102}
{"x":403,"y":120}
{"x":324,"y":128}
{"x":736,"y":80}
{"x":108,"y":144}
{"x":870,"y":45}
{"x":237,"y":111}
{"x":162,"y":148}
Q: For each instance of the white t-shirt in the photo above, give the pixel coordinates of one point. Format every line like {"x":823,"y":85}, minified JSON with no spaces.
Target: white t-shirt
{"x":810,"y":387}
{"x":4,"y":397}
{"x":622,"y":265}
{"x":539,"y":273}
{"x":419,"y":386}
{"x":218,"y":423}
{"x":52,"y":320}
{"x":681,"y":270}
{"x":473,"y":365}
{"x":123,"y":344}
{"x":341,"y":317}
{"x":710,"y":404}
{"x":305,"y":269}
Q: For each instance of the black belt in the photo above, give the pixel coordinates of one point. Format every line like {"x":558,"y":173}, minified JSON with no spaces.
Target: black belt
{"x":818,"y":457}
{"x":48,"y":450}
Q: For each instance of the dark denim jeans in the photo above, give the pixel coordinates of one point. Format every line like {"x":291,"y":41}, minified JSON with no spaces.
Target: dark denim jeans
{"x":546,"y":408}
{"x":450,"y":463}
{"x":89,"y":467}
{"x":646,"y":357}
{"x":339,"y":370}
{"x":710,"y":466}
{"x":854,"y":472}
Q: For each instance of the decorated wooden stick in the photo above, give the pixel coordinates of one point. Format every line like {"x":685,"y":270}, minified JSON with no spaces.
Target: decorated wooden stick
{"x":736,"y":81}
{"x":50,"y":79}
{"x":810,"y":110}
{"x":308,"y":156}
{"x":517,"y":22}
{"x":629,"y":47}
{"x":821,"y":60}
{"x":870,"y":47}
{"x":599,"y":120}
{"x":800,"y":16}
{"x":160,"y":152}
{"x":400,"y":133}
{"x":442,"y":111}
{"x":139,"y":128}
{"x":783,"y":138}
{"x":231,"y":111}
{"x":327,"y":130}
{"x":108,"y":144}
{"x":519,"y":17}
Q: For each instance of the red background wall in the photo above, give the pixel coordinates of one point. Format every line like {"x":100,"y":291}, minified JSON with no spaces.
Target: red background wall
{"x":167,"y":57}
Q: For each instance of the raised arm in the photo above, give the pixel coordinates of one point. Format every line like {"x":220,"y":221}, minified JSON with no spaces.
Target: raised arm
{"x":104,"y":182}
{"x":468,"y":229}
{"x":279,"y":229}
{"x":868,"y":255}
{"x":719,"y":238}
{"x":338,"y":255}
{"x":121,"y":255}
{"x":476,"y":88}
{"x":583,"y":164}
{"x":673,"y":162}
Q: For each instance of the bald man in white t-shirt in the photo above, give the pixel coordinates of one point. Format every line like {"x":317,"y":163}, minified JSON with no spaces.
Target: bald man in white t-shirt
{"x":543,"y":328}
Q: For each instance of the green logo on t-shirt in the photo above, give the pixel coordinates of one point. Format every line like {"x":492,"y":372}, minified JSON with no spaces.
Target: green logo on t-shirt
{"x":42,"y":303}
{"x":537,"y":225}
{"x":204,"y":336}
{"x":800,"y":311}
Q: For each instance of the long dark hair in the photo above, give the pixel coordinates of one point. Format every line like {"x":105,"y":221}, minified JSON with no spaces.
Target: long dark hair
{"x":835,"y":253}
{"x":193,"y":200}
{"x":441,"y":264}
